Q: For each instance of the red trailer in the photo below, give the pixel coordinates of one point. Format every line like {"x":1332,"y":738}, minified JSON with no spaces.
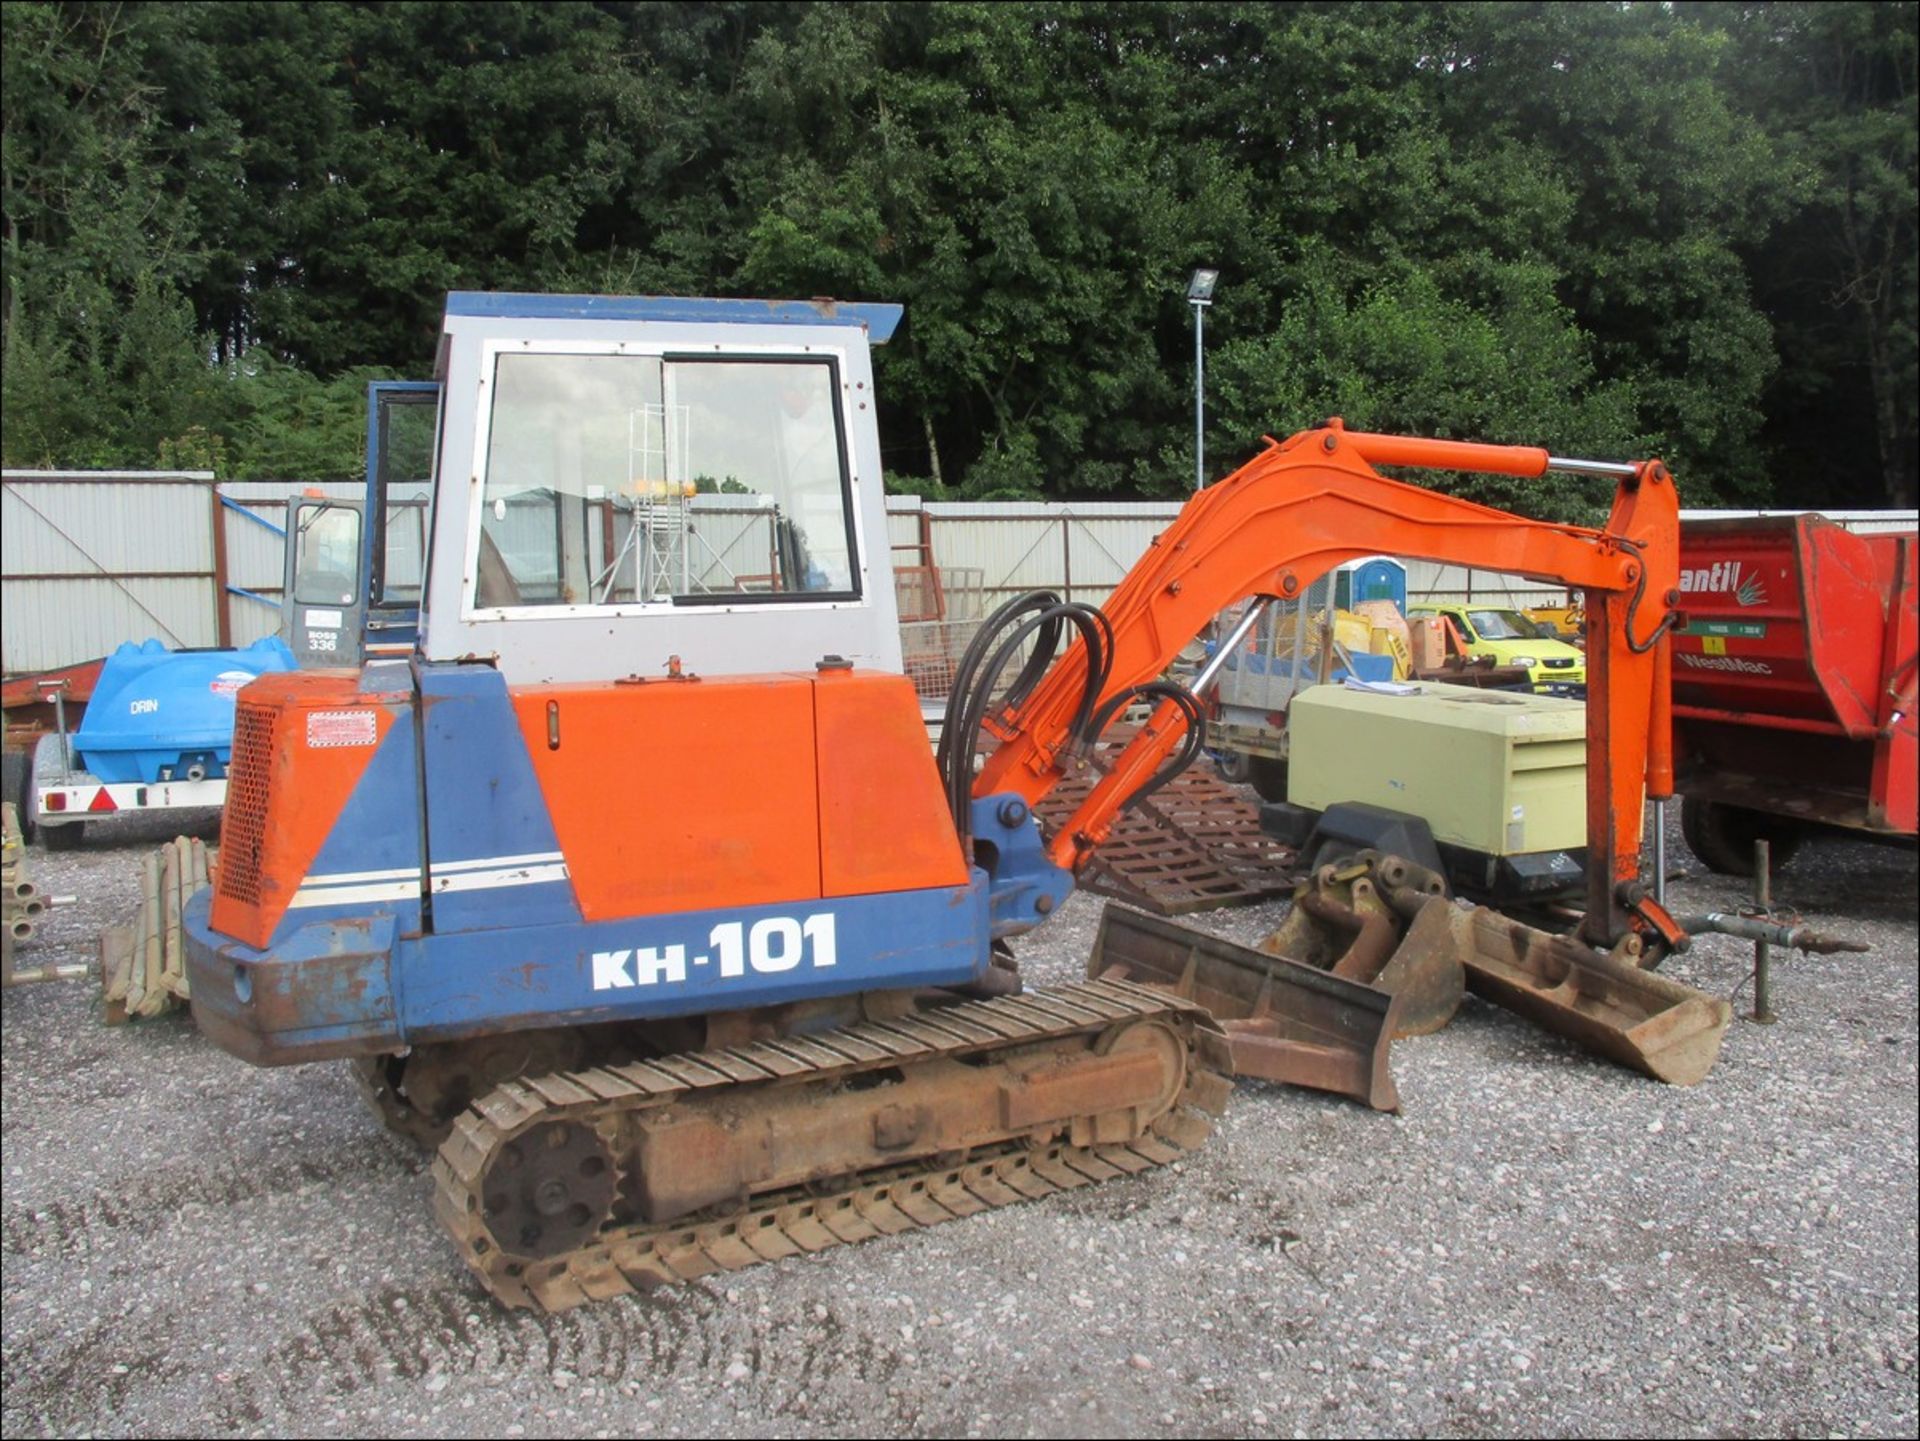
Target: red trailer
{"x":1793,"y":685}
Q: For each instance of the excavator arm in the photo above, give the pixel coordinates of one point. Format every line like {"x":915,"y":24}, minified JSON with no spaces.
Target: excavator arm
{"x":1308,"y":504}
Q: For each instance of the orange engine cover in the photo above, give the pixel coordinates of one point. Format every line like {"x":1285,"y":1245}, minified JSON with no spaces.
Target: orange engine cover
{"x":740,"y":790}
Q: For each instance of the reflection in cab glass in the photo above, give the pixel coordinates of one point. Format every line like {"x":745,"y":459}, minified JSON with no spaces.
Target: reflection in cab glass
{"x":621,"y":480}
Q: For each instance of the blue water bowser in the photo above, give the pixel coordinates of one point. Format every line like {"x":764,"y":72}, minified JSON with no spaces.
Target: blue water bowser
{"x":163,"y":715}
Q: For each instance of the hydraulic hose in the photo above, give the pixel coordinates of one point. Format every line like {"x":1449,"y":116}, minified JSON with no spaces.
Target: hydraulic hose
{"x":1191,"y":710}
{"x":1042,"y":616}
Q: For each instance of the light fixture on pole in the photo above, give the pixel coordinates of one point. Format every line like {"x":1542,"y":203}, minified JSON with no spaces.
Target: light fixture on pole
{"x":1200,"y":296}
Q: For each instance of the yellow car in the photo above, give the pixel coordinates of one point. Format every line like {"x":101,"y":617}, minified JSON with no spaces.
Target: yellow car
{"x":1511,"y":639}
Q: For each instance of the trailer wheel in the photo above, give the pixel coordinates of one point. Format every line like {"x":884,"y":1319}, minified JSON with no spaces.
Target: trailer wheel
{"x":64,"y":837}
{"x":14,"y":767}
{"x":48,"y":763}
{"x":1268,"y":776}
{"x":1723,"y":835}
{"x":1233,"y":766}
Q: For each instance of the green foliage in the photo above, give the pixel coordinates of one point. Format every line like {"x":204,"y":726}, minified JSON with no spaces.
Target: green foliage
{"x":1611,"y":229}
{"x":1839,"y":88}
{"x":290,"y":426}
{"x":1402,"y":355}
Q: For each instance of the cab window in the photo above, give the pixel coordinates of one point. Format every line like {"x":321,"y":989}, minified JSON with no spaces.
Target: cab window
{"x":622,"y":480}
{"x":327,"y":538}
{"x":405,"y":485}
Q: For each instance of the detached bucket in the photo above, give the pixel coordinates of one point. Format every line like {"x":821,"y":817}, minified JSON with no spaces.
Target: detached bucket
{"x":1655,"y":1025}
{"x":1604,"y":1002}
{"x":1373,"y":949}
{"x":1340,"y":923}
{"x":1285,"y":1020}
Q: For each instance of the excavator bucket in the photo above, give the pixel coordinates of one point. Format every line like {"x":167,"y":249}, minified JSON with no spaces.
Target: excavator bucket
{"x":1341,"y":924}
{"x":1285,"y":1020}
{"x":1653,"y":1024}
{"x":1604,"y":1002}
{"x":1372,"y":950}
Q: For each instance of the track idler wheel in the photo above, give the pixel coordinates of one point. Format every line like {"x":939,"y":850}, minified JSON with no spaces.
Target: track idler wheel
{"x":419,"y":1094}
{"x":377,"y":1080}
{"x":1151,"y":1038}
{"x":550,"y":1189}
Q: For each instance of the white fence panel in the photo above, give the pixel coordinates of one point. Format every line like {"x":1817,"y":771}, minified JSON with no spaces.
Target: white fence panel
{"x":51,"y":623}
{"x":1864,"y":522}
{"x":1079,"y":551}
{"x":94,"y":558}
{"x":1428,"y":580}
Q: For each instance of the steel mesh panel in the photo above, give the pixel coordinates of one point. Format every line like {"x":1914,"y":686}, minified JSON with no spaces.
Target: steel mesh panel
{"x":243,"y":826}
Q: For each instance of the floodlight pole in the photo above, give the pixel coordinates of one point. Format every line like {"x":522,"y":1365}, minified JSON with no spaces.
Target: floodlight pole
{"x":1200,"y":296}
{"x":1199,"y":396}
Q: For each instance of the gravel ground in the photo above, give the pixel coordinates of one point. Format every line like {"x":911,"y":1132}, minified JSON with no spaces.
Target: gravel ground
{"x":1542,"y":1244}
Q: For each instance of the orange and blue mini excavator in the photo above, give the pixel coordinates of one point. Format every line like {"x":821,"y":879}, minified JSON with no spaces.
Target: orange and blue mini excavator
{"x":637,"y":888}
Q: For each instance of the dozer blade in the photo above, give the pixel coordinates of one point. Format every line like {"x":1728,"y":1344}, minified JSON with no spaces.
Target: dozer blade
{"x":1340,"y":923}
{"x":1655,"y":1025}
{"x":1285,"y":1020}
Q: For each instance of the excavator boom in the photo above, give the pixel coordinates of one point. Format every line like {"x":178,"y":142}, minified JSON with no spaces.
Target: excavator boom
{"x":1306,"y":505}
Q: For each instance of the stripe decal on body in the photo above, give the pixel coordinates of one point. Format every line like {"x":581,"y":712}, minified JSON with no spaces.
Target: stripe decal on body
{"x":481,"y":873}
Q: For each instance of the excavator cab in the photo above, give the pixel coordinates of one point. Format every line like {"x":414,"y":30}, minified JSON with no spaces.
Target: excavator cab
{"x":645,"y":478}
{"x":652,"y":754}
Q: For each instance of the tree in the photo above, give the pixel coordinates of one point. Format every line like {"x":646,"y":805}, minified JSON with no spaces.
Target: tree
{"x":1621,"y":227}
{"x":1836,"y":84}
{"x":92,"y":237}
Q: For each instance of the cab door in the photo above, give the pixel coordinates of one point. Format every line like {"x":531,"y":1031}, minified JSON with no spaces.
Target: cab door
{"x":324,"y":600}
{"x":402,"y":423}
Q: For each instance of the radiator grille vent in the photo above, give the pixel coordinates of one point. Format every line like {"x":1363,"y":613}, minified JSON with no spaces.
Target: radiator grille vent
{"x":245,"y":822}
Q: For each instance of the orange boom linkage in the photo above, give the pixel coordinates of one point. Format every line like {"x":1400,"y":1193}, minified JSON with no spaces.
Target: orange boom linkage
{"x":1310,"y":503}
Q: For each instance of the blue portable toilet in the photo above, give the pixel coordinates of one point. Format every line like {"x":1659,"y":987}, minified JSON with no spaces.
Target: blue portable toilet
{"x":1376,"y":578}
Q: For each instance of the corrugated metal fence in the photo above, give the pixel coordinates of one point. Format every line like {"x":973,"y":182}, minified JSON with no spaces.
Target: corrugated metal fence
{"x":1079,"y":551}
{"x":1082,"y":551}
{"x":92,"y":559}
{"x":89,"y":559}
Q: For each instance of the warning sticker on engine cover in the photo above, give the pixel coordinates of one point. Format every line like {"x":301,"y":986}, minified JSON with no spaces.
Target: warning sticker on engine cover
{"x":342,"y":728}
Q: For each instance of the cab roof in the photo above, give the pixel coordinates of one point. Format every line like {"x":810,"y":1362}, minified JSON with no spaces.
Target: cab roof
{"x":877,"y":319}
